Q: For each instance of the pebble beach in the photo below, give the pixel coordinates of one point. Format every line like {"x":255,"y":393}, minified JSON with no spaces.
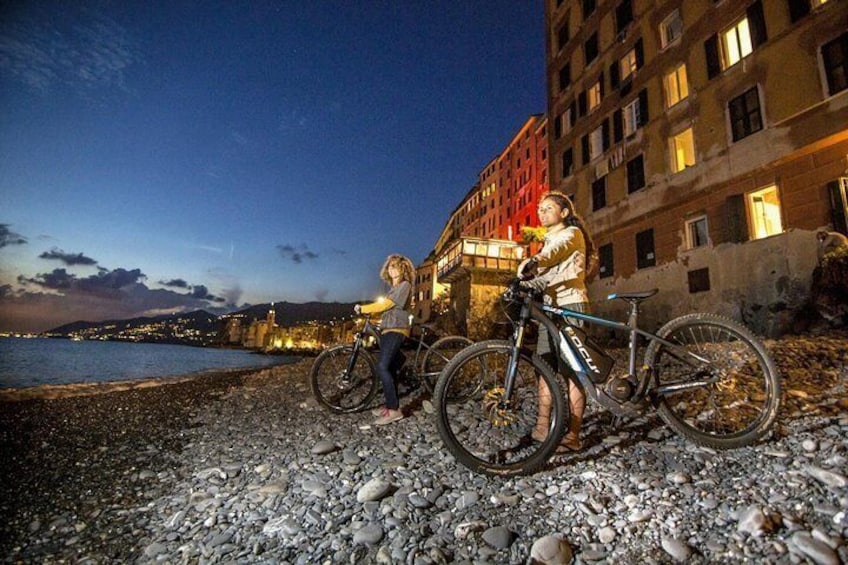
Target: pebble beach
{"x":245,"y":467}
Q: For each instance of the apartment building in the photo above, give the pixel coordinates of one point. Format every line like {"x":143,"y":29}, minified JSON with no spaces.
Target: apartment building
{"x":704,"y":142}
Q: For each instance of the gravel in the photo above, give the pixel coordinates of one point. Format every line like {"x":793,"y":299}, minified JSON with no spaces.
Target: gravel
{"x":244,"y":467}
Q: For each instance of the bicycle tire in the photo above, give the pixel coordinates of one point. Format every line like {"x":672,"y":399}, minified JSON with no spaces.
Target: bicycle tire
{"x":484,"y":436}
{"x":331,"y":390}
{"x":736,"y":410}
{"x":439,"y":355}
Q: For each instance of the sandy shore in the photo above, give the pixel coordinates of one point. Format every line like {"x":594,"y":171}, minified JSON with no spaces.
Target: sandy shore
{"x":88,"y":471}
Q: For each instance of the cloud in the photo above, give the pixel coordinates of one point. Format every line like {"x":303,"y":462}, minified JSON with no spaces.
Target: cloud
{"x":105,"y":283}
{"x":8,"y":237}
{"x":69,"y":259}
{"x":175,"y":283}
{"x":296,"y":254}
{"x":48,"y":300}
{"x":200,"y":291}
{"x":42,"y":46}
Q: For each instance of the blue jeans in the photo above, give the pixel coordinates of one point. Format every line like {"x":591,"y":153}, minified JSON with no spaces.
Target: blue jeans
{"x":388,"y":366}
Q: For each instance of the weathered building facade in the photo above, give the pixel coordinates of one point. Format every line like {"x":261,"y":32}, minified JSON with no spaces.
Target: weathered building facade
{"x":703,"y":142}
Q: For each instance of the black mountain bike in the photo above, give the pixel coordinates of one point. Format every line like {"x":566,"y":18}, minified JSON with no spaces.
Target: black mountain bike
{"x":709,"y":378}
{"x":344,"y":377}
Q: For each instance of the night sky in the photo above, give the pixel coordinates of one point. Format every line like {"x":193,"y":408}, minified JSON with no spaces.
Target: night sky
{"x":166,"y":156}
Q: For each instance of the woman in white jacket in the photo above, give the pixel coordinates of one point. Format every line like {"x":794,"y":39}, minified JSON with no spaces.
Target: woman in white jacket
{"x":561,"y":268}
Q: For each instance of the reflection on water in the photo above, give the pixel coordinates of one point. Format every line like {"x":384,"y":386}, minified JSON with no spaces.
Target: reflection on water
{"x":33,"y":362}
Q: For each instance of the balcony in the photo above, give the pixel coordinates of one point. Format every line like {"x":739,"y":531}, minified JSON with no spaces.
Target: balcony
{"x":469,"y":255}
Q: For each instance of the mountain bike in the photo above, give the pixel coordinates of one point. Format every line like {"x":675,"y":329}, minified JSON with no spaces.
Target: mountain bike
{"x":344,"y":377}
{"x":708,"y":377}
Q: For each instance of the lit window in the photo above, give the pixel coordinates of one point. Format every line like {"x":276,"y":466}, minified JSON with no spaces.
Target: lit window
{"x":697,"y":233}
{"x":594,"y":96}
{"x":676,"y":85}
{"x":628,"y":65}
{"x":764,"y":212}
{"x":736,"y":43}
{"x":631,"y":118}
{"x":683,"y":151}
{"x":745,"y":117}
{"x":671,"y":29}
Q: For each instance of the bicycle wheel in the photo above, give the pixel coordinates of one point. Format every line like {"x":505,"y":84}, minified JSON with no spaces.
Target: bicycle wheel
{"x":741,"y":397}
{"x":438,"y":356}
{"x":335,"y":388}
{"x":486,"y":431}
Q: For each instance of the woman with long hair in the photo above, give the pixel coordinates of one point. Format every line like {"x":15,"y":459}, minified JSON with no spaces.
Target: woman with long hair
{"x":561,"y":268}
{"x":399,"y":272}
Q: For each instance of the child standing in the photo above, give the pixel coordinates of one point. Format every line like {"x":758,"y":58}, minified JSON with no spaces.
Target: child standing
{"x":399,"y":272}
{"x":561,"y":274}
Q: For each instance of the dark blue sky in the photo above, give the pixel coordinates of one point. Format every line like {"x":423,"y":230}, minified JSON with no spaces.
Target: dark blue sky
{"x":166,"y":155}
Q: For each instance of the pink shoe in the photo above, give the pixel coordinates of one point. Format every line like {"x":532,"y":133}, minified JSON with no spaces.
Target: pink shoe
{"x":389,"y":417}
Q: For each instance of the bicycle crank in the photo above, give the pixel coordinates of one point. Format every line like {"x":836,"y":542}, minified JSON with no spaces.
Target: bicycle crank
{"x":496,"y":408}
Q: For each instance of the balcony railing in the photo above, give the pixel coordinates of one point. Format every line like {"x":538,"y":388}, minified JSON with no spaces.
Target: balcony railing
{"x":471,"y":254}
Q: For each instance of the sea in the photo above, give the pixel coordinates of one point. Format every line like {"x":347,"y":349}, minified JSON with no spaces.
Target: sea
{"x":28,"y":362}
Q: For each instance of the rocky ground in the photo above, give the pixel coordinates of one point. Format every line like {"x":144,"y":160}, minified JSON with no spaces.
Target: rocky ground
{"x":245,"y":467}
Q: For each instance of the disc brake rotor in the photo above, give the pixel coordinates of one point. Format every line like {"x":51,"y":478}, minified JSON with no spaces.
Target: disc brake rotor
{"x":496,"y":408}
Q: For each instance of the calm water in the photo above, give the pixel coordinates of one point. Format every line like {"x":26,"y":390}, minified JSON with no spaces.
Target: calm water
{"x":33,"y":362}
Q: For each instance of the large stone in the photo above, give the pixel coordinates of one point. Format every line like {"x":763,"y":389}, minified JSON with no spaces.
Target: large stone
{"x":498,"y":537}
{"x":551,"y":550}
{"x":375,"y":489}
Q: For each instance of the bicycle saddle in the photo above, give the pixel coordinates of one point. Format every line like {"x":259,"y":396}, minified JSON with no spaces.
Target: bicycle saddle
{"x":633,"y":296}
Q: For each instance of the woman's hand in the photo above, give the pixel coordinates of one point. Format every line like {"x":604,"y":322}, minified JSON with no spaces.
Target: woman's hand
{"x":527,"y":267}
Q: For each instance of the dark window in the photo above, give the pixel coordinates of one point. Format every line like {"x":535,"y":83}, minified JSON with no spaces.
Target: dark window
{"x":623,"y":15}
{"x":588,"y":8}
{"x":562,"y":34}
{"x":745,"y":116}
{"x":635,"y":174}
{"x":599,"y":193}
{"x":567,"y":162}
{"x":798,"y":9}
{"x":605,"y":261}
{"x":558,"y":127}
{"x":838,"y":192}
{"x":735,"y":218}
{"x":590,"y":48}
{"x":645,"y":249}
{"x":699,"y":280}
{"x":584,"y":146}
{"x":835,"y":57}
{"x":564,"y":76}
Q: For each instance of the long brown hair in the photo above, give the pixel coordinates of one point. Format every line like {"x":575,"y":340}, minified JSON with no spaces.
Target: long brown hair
{"x":407,"y":269}
{"x":574,"y":219}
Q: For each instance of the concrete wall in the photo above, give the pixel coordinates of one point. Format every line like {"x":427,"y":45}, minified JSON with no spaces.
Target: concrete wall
{"x":763,"y":283}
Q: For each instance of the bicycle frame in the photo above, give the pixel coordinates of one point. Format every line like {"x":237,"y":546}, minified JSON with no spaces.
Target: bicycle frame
{"x":371,"y":329}
{"x":577,"y":361}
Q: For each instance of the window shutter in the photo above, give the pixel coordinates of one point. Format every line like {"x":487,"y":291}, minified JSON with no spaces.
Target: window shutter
{"x":643,"y":106}
{"x":605,"y":134}
{"x":713,"y":61}
{"x":613,"y":72}
{"x":640,"y":54}
{"x":838,"y":205}
{"x":737,"y":222}
{"x":757,"y":23}
{"x":585,"y":148}
{"x":617,"y":126}
{"x":581,"y":103}
{"x":798,"y":9}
